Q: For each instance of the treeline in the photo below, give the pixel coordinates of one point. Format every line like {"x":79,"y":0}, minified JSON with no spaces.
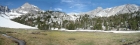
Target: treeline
{"x":127,"y":21}
{"x":41,"y":20}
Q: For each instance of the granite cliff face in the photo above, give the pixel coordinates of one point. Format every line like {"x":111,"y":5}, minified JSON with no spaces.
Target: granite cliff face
{"x":127,"y":8}
{"x":24,"y":9}
{"x":4,"y":9}
{"x":27,"y":8}
{"x":99,"y":12}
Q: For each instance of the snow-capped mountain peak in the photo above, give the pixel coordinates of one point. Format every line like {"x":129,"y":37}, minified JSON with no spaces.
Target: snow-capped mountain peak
{"x":27,"y":8}
{"x":127,"y":8}
{"x":99,"y":8}
{"x":24,"y":9}
{"x":27,"y":5}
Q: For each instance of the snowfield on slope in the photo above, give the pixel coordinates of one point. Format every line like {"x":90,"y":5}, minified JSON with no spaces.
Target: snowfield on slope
{"x":11,"y":24}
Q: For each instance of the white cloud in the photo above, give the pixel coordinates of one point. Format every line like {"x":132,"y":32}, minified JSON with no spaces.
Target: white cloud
{"x":58,"y":9}
{"x":67,"y":1}
{"x":74,"y":3}
{"x":77,"y":5}
{"x":9,"y":3}
{"x":71,"y":7}
{"x":80,"y":5}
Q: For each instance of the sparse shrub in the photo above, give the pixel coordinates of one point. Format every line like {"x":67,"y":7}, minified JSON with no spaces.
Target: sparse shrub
{"x":44,"y":34}
{"x":35,"y":33}
{"x":34,"y":37}
{"x":10,"y":32}
{"x":71,"y":39}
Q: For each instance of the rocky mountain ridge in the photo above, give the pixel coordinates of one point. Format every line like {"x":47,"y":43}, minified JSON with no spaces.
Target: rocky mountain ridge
{"x":24,"y":9}
{"x":100,"y":12}
{"x":98,"y":19}
{"x":27,"y":8}
{"x":4,"y":9}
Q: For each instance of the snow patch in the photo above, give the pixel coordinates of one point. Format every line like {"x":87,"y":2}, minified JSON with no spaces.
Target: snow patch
{"x":34,"y":6}
{"x":36,"y":10}
{"x":12,"y":15}
{"x":73,"y":13}
{"x":23,"y":11}
{"x":11,"y":24}
{"x":101,"y":31}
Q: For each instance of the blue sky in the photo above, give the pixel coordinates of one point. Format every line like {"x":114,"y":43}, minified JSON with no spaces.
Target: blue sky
{"x":68,"y":6}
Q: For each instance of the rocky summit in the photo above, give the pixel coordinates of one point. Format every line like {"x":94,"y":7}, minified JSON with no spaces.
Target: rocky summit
{"x":27,"y":8}
{"x":24,"y":9}
{"x":127,"y":8}
{"x":4,"y":9}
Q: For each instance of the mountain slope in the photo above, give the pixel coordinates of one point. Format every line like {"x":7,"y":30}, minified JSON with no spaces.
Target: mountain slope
{"x":127,"y":8}
{"x":105,"y":19}
{"x":11,"y":24}
{"x":124,"y":16}
{"x":4,"y":9}
{"x":24,"y":9}
{"x":27,"y":8}
{"x":44,"y":20}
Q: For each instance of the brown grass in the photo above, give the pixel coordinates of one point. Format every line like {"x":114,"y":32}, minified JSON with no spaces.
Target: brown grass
{"x":6,"y":41}
{"x":78,"y":38}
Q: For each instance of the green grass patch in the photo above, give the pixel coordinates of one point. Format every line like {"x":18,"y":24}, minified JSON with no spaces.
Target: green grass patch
{"x":0,"y":42}
{"x":86,"y":43}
